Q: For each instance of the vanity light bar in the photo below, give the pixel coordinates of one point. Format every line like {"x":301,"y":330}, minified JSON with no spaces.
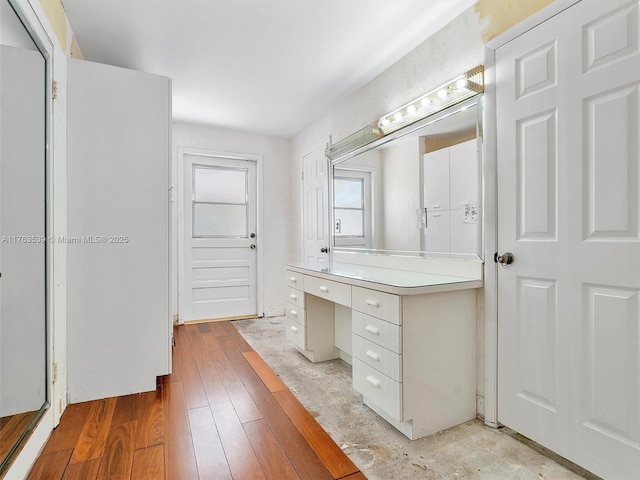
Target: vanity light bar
{"x":354,"y":141}
{"x":460,"y":88}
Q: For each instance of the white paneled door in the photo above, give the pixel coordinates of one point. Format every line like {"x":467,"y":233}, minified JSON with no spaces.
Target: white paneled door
{"x":218,"y":238}
{"x":315,"y":180}
{"x":568,"y":132}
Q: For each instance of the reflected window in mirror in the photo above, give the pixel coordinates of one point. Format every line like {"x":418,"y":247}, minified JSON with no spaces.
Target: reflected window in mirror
{"x":353,"y":207}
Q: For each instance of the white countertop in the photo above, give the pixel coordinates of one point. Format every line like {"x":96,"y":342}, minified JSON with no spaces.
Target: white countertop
{"x":399,"y":282}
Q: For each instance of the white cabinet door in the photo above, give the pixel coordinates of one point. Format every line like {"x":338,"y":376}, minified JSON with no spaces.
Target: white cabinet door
{"x":436,"y":180}
{"x":463,"y":171}
{"x":118,"y":219}
{"x":437,"y":233}
{"x":568,"y":106}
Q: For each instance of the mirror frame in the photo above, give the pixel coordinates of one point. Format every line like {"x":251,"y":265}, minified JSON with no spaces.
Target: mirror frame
{"x":476,"y":100}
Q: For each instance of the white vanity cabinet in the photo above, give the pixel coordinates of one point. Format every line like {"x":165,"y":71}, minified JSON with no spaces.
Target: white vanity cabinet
{"x":413,"y":347}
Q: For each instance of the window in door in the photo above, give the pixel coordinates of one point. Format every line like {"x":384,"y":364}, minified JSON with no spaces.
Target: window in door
{"x":220,"y":202}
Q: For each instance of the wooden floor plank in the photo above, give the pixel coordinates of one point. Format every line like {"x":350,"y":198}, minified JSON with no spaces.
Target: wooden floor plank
{"x":210,"y":457}
{"x":201,"y":355}
{"x":268,"y":376}
{"x":93,"y":436}
{"x":302,"y":457}
{"x":191,"y":384}
{"x":148,"y":463}
{"x":238,"y":451}
{"x":274,"y":462}
{"x":150,"y":430}
{"x":50,"y":465}
{"x":243,"y":404}
{"x":180,"y":461}
{"x":331,"y":455}
{"x":83,"y":471}
{"x":238,"y":339}
{"x":118,"y":452}
{"x":66,"y":434}
{"x":211,"y":341}
{"x":218,"y":329}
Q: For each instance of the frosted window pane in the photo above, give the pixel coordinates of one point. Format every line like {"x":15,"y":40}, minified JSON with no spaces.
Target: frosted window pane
{"x":219,"y":220}
{"x":351,"y":222}
{"x":348,"y":193}
{"x":220,"y":185}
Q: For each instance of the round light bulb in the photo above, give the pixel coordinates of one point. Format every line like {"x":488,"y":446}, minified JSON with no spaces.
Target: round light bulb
{"x":385,"y":121}
{"x":411,"y":109}
{"x":442,"y":93}
{"x":425,"y":102}
{"x":462,"y":83}
{"x":397,"y":116}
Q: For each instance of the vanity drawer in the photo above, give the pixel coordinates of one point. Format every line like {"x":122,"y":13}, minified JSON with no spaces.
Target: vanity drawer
{"x":295,"y":297}
{"x":379,"y":304}
{"x":297,"y":334}
{"x":383,"y":360}
{"x":378,"y":388}
{"x":334,"y":291}
{"x":377,"y":331}
{"x":296,"y":313}
{"x":294,"y":279}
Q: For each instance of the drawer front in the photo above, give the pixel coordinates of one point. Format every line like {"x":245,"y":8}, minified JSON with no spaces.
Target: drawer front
{"x":377,"y":331}
{"x":296,"y":313}
{"x":334,"y":291}
{"x":294,"y":279}
{"x":378,"y":304}
{"x":383,"y":360}
{"x":380,"y":389}
{"x":295,"y":297}
{"x":297,"y":334}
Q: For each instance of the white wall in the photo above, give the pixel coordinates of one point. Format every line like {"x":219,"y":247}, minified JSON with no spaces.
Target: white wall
{"x":276,"y":200}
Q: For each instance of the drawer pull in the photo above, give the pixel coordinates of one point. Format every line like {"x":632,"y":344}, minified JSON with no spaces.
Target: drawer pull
{"x":293,"y":312}
{"x":372,"y":355}
{"x":372,"y":303}
{"x":293,"y":296}
{"x":324,"y":289}
{"x":293,"y":280}
{"x":372,"y":329}
{"x":373,"y":381}
{"x":294,"y":329}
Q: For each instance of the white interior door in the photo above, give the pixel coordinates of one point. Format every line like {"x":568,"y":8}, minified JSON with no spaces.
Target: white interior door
{"x":568,"y":108}
{"x":219,"y":237}
{"x":315,"y":216}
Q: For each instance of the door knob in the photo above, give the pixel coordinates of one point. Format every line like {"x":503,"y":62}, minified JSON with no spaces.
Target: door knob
{"x":505,"y":259}
{"x":253,"y":235}
{"x":252,"y":246}
{"x":324,"y":250}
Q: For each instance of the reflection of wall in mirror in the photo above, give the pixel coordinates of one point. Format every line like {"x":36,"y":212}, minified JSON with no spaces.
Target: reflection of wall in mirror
{"x":451,"y":197}
{"x":401,"y":184}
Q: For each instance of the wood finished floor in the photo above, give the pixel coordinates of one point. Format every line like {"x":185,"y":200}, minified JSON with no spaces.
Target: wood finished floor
{"x":222,"y":414}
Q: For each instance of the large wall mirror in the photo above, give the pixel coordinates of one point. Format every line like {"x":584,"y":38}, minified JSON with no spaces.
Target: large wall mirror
{"x":417,"y":192}
{"x":23,"y":303}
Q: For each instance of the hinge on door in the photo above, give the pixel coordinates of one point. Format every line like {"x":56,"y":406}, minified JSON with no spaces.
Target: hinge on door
{"x":302,"y":175}
{"x":54,"y":89}
{"x":54,"y":372}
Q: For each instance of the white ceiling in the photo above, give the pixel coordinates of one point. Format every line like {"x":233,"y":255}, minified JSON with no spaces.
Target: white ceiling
{"x":265,"y":66}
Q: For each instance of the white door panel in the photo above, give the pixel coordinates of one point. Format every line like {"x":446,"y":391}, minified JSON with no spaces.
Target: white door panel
{"x":568,"y":208}
{"x":218,"y":261}
{"x":316,"y":207}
